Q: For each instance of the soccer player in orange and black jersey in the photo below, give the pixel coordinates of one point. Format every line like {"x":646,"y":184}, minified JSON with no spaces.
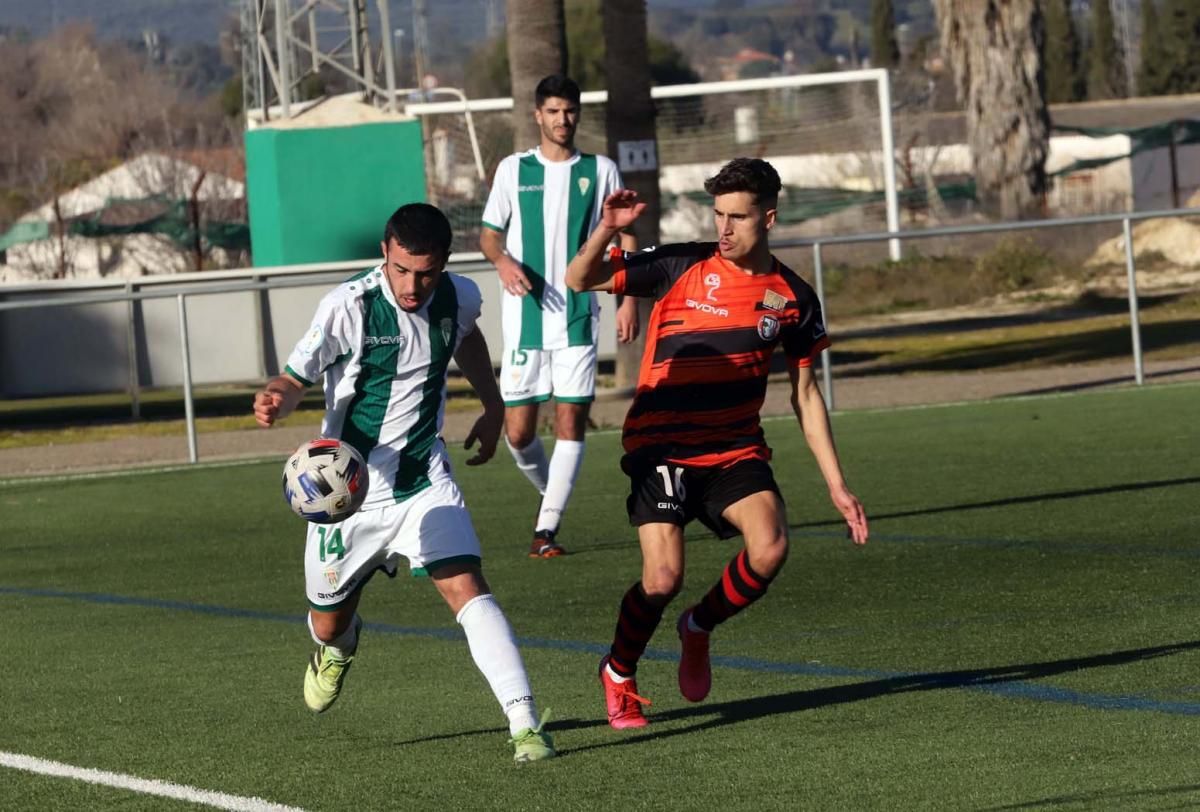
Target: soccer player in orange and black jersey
{"x":708,"y":351}
{"x":694,"y":446}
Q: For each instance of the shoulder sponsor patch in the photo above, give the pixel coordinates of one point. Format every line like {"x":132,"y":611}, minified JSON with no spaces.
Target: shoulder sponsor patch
{"x":312,"y":340}
{"x":773,"y":301}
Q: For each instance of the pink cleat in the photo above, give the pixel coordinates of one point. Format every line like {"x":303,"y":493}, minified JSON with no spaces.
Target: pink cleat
{"x":695,"y":672}
{"x":623,"y":703}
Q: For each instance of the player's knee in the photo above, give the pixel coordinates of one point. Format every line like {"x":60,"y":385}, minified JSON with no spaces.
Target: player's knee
{"x":768,"y":556}
{"x":662,"y":584}
{"x":520,"y":436}
{"x":571,"y":424}
{"x":326,"y":626}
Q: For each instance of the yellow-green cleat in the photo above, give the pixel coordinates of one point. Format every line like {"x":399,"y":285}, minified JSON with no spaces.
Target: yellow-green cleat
{"x":533,"y":743}
{"x":324,"y":675}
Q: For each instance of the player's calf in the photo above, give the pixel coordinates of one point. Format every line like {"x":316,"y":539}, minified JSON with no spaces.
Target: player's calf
{"x":327,"y":669}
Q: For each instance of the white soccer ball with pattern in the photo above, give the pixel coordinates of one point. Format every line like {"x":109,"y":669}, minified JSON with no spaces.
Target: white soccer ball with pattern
{"x":325,"y":481}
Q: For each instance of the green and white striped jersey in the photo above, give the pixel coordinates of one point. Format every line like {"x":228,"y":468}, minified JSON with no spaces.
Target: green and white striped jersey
{"x":548,"y":208}
{"x":385,"y":374}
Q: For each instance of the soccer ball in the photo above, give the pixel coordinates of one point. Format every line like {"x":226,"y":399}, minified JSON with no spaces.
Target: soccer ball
{"x":325,"y":481}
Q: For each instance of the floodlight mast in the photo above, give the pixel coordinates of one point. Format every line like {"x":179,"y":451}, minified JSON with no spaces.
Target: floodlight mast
{"x":282,"y":45}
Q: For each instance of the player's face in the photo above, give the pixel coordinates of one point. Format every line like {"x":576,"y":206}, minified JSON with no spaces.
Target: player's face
{"x":741,"y":223}
{"x":558,"y":119}
{"x":413,"y":277}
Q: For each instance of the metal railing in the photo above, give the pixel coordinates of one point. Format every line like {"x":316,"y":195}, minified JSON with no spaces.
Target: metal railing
{"x":274,"y":278}
{"x":1126,"y":219}
{"x":262,"y":279}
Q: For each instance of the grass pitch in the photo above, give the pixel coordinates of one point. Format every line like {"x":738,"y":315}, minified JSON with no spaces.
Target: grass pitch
{"x":1020,"y":633}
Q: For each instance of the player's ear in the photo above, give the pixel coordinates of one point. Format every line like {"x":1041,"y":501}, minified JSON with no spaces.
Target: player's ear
{"x":769,"y":218}
{"x":383,"y":249}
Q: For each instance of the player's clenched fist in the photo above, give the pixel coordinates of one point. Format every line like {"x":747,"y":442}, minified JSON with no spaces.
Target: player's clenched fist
{"x":266,"y":408}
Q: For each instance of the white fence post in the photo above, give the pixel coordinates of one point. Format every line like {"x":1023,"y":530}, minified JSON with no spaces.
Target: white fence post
{"x":188,"y":405}
{"x":826,"y":356}
{"x":1134,"y":326}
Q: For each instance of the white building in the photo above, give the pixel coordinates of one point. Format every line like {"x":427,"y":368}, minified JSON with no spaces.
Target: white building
{"x":133,"y":192}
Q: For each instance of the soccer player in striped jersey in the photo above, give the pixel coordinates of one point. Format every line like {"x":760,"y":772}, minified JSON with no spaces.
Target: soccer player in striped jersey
{"x":543,"y":204}
{"x":694,"y":446}
{"x":383,"y":341}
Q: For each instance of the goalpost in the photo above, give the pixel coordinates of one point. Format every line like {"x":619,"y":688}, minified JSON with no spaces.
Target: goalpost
{"x":829,"y":135}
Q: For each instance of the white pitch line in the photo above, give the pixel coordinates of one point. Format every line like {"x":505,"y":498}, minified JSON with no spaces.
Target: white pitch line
{"x":146,"y":786}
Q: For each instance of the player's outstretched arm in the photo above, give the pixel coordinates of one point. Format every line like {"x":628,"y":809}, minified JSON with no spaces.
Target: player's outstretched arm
{"x":810,"y":410}
{"x":587,"y":270}
{"x":277,"y":399}
{"x":475,"y":363}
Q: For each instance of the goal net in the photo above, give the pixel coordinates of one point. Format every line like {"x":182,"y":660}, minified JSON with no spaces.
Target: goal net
{"x":824,"y":133}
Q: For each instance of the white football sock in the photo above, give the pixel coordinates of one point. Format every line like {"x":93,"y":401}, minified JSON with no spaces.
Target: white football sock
{"x":344,"y":644}
{"x":532,"y":461}
{"x":564,"y":470}
{"x":613,"y":675}
{"x":494,"y":650}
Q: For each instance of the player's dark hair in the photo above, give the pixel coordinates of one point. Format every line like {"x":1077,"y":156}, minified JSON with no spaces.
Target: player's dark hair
{"x":556,"y":86}
{"x":419,"y":229}
{"x":753,"y":175}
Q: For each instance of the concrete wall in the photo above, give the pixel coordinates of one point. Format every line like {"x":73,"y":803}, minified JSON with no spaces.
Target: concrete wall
{"x":84,"y":349}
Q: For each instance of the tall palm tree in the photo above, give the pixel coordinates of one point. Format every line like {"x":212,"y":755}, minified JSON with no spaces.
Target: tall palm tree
{"x":537,"y":47}
{"x":995,"y":49}
{"x":629,"y":117}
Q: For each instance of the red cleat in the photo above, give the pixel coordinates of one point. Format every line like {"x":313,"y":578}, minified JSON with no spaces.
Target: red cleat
{"x":695,"y":672}
{"x":544,"y":545}
{"x":623,"y":704}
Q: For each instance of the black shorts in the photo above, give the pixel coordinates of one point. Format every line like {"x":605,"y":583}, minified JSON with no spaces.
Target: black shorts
{"x":676,"y":494}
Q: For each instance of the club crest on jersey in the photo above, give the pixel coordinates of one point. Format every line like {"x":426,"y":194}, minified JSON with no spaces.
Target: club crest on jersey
{"x":447,"y":329}
{"x":773,"y":301}
{"x":584,"y":185}
{"x":712,"y":281}
{"x":768,"y":328}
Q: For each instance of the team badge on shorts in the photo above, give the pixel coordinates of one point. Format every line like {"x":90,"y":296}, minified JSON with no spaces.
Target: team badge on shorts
{"x":331,"y":577}
{"x":768,"y":328}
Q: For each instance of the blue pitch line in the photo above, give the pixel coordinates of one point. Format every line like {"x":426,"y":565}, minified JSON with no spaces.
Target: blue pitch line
{"x":980,"y":680}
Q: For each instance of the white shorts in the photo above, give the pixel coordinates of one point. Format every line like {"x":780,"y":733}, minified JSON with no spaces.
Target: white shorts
{"x":431,"y":528}
{"x":532,"y":376}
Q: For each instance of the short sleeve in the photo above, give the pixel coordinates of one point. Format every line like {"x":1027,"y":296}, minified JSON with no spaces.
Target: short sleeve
{"x":329,"y":337}
{"x":470,"y":305}
{"x":652,"y":271}
{"x":610,"y":181}
{"x":498,"y":210}
{"x":804,"y":338}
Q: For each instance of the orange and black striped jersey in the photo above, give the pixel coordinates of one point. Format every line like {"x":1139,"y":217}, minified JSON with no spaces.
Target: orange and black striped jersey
{"x":708,"y":349}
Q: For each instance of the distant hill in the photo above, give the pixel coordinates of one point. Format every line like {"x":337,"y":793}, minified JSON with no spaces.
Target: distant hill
{"x":182,"y":21}
{"x":189,"y":21}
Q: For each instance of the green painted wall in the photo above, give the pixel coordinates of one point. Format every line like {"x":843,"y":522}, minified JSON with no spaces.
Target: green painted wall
{"x":324,"y":194}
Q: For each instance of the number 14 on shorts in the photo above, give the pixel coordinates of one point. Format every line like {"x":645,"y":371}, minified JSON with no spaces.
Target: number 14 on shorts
{"x":330,"y":542}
